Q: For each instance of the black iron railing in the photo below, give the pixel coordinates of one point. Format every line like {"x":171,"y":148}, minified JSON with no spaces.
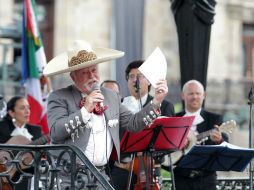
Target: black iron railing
{"x":41,"y":163}
{"x":222,"y":184}
{"x":233,"y":184}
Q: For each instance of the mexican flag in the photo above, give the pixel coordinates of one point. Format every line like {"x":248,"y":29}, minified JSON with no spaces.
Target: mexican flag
{"x":33,"y":61}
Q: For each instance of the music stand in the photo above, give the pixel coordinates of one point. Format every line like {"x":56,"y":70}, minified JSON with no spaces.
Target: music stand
{"x":224,"y":157}
{"x":166,"y":134}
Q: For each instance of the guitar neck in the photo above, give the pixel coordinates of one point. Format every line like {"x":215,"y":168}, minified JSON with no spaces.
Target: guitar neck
{"x":204,"y":134}
{"x":40,"y":141}
{"x":226,"y":127}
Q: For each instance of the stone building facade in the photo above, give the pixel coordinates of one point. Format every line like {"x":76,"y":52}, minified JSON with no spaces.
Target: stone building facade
{"x":228,"y":80}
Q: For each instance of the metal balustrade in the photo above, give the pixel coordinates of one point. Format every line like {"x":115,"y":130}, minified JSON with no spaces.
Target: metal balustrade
{"x":222,"y":184}
{"x":233,"y":184}
{"x":45,"y":166}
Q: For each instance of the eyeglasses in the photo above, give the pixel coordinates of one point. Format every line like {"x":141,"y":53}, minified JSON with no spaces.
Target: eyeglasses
{"x":134,"y":77}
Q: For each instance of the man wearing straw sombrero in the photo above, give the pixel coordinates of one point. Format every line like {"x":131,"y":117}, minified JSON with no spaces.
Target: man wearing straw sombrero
{"x":87,"y":116}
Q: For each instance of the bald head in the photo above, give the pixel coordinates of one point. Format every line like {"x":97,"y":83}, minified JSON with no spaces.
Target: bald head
{"x":111,"y":84}
{"x":193,"y":82}
{"x":193,"y":95}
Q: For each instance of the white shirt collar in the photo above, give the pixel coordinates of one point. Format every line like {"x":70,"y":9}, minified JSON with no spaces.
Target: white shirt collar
{"x":133,"y":104}
{"x":192,"y":113}
{"x":143,"y":99}
{"x":198,"y":118}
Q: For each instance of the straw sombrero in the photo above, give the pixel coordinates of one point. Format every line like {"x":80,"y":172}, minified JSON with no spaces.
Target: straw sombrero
{"x":79,"y":56}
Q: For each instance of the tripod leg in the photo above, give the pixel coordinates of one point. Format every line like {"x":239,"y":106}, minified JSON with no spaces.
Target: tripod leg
{"x":130,"y":173}
{"x":150,"y":167}
{"x":172,"y":173}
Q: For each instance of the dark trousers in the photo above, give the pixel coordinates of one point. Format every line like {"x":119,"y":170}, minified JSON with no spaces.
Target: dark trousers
{"x":195,"y":183}
{"x":119,"y":178}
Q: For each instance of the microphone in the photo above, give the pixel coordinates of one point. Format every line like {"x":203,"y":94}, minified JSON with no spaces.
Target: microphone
{"x":137,"y":85}
{"x":137,"y":90}
{"x":250,"y":97}
{"x":94,"y":87}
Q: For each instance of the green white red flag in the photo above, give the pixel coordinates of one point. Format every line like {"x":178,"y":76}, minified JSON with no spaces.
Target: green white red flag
{"x":33,"y":61}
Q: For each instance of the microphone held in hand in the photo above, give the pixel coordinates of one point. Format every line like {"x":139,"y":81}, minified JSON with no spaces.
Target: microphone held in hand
{"x":94,"y":87}
{"x":99,"y":107}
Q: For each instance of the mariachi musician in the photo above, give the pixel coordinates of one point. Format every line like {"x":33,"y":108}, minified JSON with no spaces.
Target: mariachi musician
{"x":193,"y":95}
{"x":139,"y":88}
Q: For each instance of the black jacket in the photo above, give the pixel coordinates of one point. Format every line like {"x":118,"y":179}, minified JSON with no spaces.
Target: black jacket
{"x":210,"y":119}
{"x":6,"y":128}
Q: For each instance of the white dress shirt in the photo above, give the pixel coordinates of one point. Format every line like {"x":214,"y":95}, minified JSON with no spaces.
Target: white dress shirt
{"x":133,"y":104}
{"x":100,"y":143}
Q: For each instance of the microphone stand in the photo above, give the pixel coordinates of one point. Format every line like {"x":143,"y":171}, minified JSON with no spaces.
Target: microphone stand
{"x":138,"y":91}
{"x":137,"y":86}
{"x":250,"y":102}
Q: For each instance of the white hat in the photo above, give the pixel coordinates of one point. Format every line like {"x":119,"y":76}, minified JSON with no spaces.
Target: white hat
{"x":79,"y":56}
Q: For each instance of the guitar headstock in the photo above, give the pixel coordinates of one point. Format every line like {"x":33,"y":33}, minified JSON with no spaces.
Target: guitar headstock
{"x":228,"y":126}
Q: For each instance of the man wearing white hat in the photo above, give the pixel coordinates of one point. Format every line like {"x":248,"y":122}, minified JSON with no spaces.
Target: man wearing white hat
{"x":97,"y":112}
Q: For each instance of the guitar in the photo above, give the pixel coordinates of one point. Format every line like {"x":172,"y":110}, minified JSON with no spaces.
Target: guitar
{"x":226,"y":127}
{"x":19,"y":139}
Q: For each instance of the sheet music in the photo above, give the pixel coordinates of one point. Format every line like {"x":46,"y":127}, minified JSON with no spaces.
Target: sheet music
{"x":229,"y":145}
{"x":233,"y":146}
{"x":222,"y":157}
{"x":155,"y":67}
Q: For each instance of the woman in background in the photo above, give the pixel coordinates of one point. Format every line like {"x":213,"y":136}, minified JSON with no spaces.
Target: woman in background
{"x":15,"y":123}
{"x":14,"y":129}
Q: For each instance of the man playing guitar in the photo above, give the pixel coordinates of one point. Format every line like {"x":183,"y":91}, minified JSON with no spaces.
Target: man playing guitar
{"x":193,"y":95}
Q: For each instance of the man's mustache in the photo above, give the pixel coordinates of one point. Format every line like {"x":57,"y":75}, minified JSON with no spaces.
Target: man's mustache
{"x":89,"y":83}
